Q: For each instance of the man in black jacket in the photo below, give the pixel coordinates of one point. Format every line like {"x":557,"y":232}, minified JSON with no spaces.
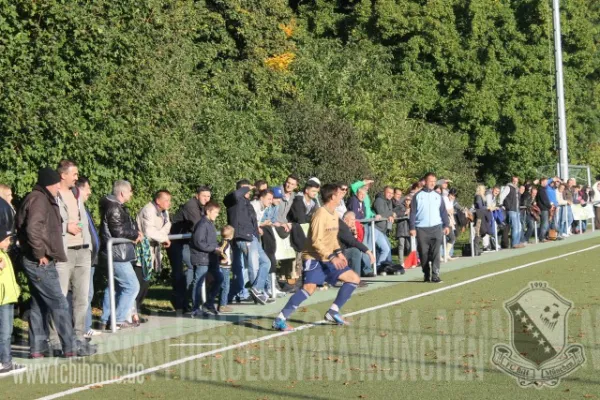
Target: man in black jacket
{"x":179,"y":252}
{"x":545,"y":206}
{"x":117,"y":223}
{"x":249,"y":258}
{"x":511,"y":205}
{"x":204,"y":252}
{"x":40,"y":234}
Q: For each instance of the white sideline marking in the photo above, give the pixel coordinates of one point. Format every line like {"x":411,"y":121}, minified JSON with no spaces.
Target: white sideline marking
{"x":195,"y":344}
{"x":303,"y":327}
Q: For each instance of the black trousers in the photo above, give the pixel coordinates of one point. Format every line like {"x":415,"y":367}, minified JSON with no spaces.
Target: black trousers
{"x":429,"y":241}
{"x":179,"y":298}
{"x":144,"y":286}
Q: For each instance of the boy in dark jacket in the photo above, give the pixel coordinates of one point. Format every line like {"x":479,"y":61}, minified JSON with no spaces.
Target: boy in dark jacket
{"x":225,"y":262}
{"x":204,"y":254}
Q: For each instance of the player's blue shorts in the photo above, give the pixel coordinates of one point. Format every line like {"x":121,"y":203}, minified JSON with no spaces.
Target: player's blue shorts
{"x":318,"y":272}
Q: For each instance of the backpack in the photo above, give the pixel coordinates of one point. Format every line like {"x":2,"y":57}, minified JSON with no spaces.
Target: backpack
{"x":466,"y":251}
{"x":461,"y":218}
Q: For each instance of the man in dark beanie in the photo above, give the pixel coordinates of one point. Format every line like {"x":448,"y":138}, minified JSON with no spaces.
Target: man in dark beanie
{"x":39,"y":227}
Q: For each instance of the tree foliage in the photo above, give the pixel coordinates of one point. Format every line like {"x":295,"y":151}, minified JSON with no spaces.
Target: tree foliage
{"x":176,"y":93}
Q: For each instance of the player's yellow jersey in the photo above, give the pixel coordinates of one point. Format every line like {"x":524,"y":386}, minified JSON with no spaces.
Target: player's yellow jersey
{"x":322,"y":238}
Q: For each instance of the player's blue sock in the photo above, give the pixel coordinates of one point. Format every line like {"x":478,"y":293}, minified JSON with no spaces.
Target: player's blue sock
{"x":293,"y":303}
{"x":343,"y":296}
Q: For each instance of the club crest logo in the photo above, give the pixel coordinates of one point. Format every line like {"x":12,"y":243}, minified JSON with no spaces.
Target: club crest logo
{"x":538,"y":354}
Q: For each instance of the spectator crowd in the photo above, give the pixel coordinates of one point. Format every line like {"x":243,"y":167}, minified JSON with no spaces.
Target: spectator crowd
{"x":53,"y":238}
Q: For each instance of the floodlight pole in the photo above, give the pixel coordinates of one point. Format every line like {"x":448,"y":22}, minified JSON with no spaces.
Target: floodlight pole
{"x":560,"y":93}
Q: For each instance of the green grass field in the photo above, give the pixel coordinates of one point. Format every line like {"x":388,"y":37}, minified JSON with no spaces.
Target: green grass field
{"x":436,"y":346}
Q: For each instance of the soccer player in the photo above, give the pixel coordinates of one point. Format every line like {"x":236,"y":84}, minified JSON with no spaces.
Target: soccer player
{"x":323,"y":261}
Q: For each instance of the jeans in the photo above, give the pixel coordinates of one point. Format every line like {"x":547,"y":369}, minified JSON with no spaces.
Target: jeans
{"x":383,"y":248}
{"x":403,"y":243}
{"x":358,"y":261}
{"x":88,"y":318}
{"x":7,"y":316}
{"x":47,"y":300}
{"x":544,"y":216}
{"x":570,"y":218}
{"x":559,"y":220}
{"x":74,"y":277}
{"x":126,"y":290}
{"x":179,"y":254}
{"x":515,"y":227}
{"x":224,"y":296}
{"x":250,"y":258}
{"x":529,"y":224}
{"x":200,"y":276}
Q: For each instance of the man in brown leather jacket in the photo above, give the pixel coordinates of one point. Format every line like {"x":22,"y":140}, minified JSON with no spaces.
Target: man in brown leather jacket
{"x":39,"y":228}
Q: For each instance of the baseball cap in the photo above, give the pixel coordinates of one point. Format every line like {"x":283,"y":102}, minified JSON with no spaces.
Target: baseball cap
{"x":277,"y":192}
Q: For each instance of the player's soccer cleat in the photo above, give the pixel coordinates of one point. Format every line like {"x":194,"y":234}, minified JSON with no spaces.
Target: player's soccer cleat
{"x":280,"y":325}
{"x":335,"y":317}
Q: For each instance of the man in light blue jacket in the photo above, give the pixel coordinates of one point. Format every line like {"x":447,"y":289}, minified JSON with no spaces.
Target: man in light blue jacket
{"x":428,"y":222}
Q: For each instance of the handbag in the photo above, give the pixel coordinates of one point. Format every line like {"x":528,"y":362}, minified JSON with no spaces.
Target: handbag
{"x":535,"y":211}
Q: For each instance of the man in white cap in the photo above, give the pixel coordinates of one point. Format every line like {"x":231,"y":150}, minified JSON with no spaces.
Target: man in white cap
{"x":443,"y":184}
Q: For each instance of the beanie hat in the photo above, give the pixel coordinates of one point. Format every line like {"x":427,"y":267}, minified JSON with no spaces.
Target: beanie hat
{"x":6,"y":220}
{"x":48,"y":177}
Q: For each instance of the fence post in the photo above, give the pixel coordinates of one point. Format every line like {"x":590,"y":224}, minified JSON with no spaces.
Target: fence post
{"x":111,"y":286}
{"x":373,"y":244}
{"x":496,"y":245}
{"x":471,"y":236}
{"x":273,"y":287}
{"x":535,"y":231}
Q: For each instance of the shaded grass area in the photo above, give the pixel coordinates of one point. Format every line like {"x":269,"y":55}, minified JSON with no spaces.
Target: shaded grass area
{"x":439,"y":345}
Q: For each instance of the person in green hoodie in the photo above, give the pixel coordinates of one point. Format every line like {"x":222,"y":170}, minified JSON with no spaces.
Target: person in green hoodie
{"x":9,"y":292}
{"x":384,"y":251}
{"x":367,"y":201}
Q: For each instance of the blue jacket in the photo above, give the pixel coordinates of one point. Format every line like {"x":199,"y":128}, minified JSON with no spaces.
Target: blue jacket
{"x":551,"y":192}
{"x":428,"y":210}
